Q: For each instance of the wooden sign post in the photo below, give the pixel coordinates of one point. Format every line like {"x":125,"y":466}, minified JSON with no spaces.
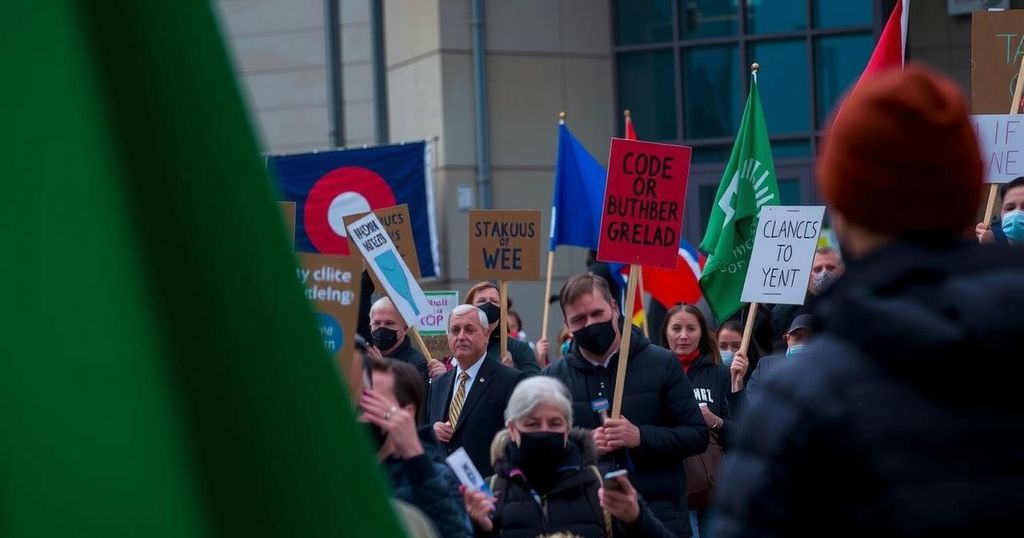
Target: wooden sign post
{"x":504,"y":245}
{"x":641,"y":220}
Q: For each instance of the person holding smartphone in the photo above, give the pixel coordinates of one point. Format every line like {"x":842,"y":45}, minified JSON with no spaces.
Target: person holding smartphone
{"x":545,"y":479}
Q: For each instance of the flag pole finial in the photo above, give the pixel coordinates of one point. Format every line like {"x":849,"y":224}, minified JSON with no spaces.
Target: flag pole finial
{"x":625,"y":113}
{"x":561,"y":118}
{"x":755,"y":67}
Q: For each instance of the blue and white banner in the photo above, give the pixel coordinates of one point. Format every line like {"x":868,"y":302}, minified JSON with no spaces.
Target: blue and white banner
{"x":328,"y":185}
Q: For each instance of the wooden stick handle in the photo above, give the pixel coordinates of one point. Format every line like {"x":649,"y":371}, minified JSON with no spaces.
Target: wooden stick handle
{"x":503,"y":324}
{"x":416,"y":337}
{"x":991,"y":205}
{"x":640,"y":284}
{"x":748,"y":329}
{"x":627,"y":331}
{"x":1017,"y":105}
{"x":547,"y":295}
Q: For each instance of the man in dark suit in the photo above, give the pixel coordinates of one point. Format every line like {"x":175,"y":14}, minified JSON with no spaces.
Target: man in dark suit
{"x":466,"y":406}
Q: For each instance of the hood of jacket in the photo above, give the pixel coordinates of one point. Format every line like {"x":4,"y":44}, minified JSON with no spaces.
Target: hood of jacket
{"x":927,"y":312}
{"x":578,"y":436}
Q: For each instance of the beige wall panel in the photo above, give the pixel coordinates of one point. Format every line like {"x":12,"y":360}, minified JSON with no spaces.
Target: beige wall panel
{"x":415,"y":100}
{"x":300,"y":127}
{"x":300,"y":87}
{"x":353,"y":11}
{"x":411,"y":29}
{"x":242,"y":17}
{"x":458,"y":143}
{"x":271,"y":52}
{"x":359,"y":123}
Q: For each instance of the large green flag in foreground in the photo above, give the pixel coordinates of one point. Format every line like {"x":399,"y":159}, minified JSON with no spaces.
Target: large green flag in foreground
{"x":160,"y":371}
{"x":748,"y":183}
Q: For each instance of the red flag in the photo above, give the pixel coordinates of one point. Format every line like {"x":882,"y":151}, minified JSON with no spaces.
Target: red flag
{"x":892,"y":44}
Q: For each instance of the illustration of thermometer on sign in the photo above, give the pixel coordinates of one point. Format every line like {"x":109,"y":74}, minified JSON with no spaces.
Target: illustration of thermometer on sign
{"x":383,"y":259}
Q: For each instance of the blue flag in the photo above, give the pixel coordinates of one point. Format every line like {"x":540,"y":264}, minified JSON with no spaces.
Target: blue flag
{"x":579,"y":193}
{"x":329,"y":185}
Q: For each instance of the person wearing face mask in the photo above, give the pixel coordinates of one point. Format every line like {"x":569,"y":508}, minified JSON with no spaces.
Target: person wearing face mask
{"x":796,"y":338}
{"x":661,"y":423}
{"x":387,"y":394}
{"x":729,"y":338}
{"x":1010,"y":228}
{"x":826,"y":268}
{"x":485,"y":296}
{"x":389,"y":335}
{"x":545,"y":477}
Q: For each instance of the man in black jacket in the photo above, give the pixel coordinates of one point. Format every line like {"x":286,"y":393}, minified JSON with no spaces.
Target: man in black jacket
{"x":660,"y":425}
{"x":883,"y":425}
{"x":466,"y":406}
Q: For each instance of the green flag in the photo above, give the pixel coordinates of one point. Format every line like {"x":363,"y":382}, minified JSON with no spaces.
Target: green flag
{"x":161,"y":372}
{"x":748,"y":183}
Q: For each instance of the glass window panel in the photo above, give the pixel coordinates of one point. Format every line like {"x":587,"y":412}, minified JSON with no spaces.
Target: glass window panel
{"x":784,"y":84}
{"x":706,"y":194}
{"x":707,"y":18}
{"x":774,"y":16}
{"x":711,"y":154}
{"x":838,"y":62}
{"x":711,"y":81}
{"x":643,"y":21}
{"x":840,"y":13}
{"x":789,"y":191}
{"x":647,"y":88}
{"x":791,"y":149}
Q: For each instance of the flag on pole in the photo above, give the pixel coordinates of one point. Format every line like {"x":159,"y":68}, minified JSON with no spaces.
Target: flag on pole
{"x":670,"y":287}
{"x":578,"y":194}
{"x":748,"y":183}
{"x":890,"y":51}
{"x":638,"y":302}
{"x":162,"y":374}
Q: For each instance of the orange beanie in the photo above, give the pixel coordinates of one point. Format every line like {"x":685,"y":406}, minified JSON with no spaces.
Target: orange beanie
{"x":901,"y":158}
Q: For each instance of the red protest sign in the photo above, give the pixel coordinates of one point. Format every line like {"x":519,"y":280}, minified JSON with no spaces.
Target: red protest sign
{"x":642,"y":215}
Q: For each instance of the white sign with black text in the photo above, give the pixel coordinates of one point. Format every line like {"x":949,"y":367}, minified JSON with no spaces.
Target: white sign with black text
{"x":780,"y":264}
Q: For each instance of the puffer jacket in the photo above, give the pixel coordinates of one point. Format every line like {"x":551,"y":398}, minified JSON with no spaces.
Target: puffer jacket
{"x":570,"y":506}
{"x":659,"y":400}
{"x":427,"y":483}
{"x":712,"y":384}
{"x":880,"y":426}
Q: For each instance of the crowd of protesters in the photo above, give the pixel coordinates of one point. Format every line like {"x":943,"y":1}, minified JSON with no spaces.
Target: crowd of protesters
{"x":857,"y":413}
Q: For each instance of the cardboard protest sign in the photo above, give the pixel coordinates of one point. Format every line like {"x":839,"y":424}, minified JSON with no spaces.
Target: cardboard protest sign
{"x":1001,"y":141}
{"x":384,"y":262}
{"x":504,"y":245}
{"x":288,"y":211}
{"x":997,"y":47}
{"x":784,"y":244}
{"x":435,"y":322}
{"x":332,"y":285}
{"x":642,"y":214}
{"x":396,"y":221}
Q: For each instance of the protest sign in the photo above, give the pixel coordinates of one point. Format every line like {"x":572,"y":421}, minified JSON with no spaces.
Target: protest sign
{"x":1001,"y":141}
{"x":396,"y":221}
{"x":384,"y":262}
{"x":466,"y":472}
{"x":997,"y":47}
{"x":504,"y":245}
{"x":784,"y":244}
{"x":288,"y":211}
{"x":332,"y":284}
{"x":642,"y":215}
{"x":435,"y":322}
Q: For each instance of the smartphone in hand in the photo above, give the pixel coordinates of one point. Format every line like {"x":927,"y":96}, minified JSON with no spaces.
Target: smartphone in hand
{"x":610,"y":482}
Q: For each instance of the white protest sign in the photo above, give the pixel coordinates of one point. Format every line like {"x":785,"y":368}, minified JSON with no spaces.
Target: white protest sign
{"x":466,"y":472}
{"x":383,"y":259}
{"x":1001,"y":142}
{"x":784,"y":244}
{"x":435,"y":322}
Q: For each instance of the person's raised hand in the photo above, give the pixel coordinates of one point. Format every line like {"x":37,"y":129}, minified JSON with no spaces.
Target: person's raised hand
{"x":506,"y":359}
{"x":738,"y":370}
{"x":600,"y":441}
{"x":621,"y":433}
{"x":542,"y":352}
{"x":984,"y":233}
{"x":621,"y":503}
{"x":399,"y":423}
{"x":435,"y":368}
{"x":479,"y":506}
{"x":443,"y":431}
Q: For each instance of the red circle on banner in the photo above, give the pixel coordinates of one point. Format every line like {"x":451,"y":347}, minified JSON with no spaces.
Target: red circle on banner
{"x":342,"y":191}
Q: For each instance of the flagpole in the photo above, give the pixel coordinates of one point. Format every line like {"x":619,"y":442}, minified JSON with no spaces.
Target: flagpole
{"x":551,"y":265}
{"x":503,"y":321}
{"x":1016,"y":106}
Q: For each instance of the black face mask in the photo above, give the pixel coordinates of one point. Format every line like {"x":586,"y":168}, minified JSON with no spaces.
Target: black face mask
{"x":377,"y":436}
{"x":492,"y":310}
{"x":596,"y":337}
{"x":539,"y":455}
{"x":384,"y":338}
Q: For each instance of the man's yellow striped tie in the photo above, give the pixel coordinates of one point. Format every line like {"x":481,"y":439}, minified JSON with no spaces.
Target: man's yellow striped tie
{"x":460,"y":396}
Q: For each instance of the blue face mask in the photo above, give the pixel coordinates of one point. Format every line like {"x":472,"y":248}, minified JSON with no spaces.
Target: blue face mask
{"x":565,"y":347}
{"x":727,"y":357}
{"x":794,"y":350}
{"x":1013,"y":225}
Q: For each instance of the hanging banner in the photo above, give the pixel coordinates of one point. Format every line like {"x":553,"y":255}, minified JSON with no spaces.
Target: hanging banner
{"x":642,"y":214}
{"x":288,"y":212}
{"x":504,"y":245}
{"x":332,"y":284}
{"x":784,"y":245}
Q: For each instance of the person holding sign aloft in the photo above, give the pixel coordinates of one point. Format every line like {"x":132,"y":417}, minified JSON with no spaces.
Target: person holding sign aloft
{"x":520,"y":356}
{"x":660,"y":423}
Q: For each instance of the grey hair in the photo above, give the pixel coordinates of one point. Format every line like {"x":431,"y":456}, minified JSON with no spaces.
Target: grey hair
{"x":535,"y":390}
{"x":466,"y":309}
{"x":384,"y":302}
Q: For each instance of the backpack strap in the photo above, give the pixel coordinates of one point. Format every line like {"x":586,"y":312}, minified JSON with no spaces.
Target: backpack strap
{"x":607,"y":516}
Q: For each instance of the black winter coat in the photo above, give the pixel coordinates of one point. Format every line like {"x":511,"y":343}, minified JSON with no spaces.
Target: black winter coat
{"x":879,"y":427}
{"x":570,"y":506}
{"x":522,"y":355}
{"x":427,"y":483}
{"x":712,"y":384}
{"x":658,"y":399}
{"x":411,"y":356}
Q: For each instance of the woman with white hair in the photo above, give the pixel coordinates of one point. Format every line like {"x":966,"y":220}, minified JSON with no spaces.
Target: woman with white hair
{"x":545,"y":480}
